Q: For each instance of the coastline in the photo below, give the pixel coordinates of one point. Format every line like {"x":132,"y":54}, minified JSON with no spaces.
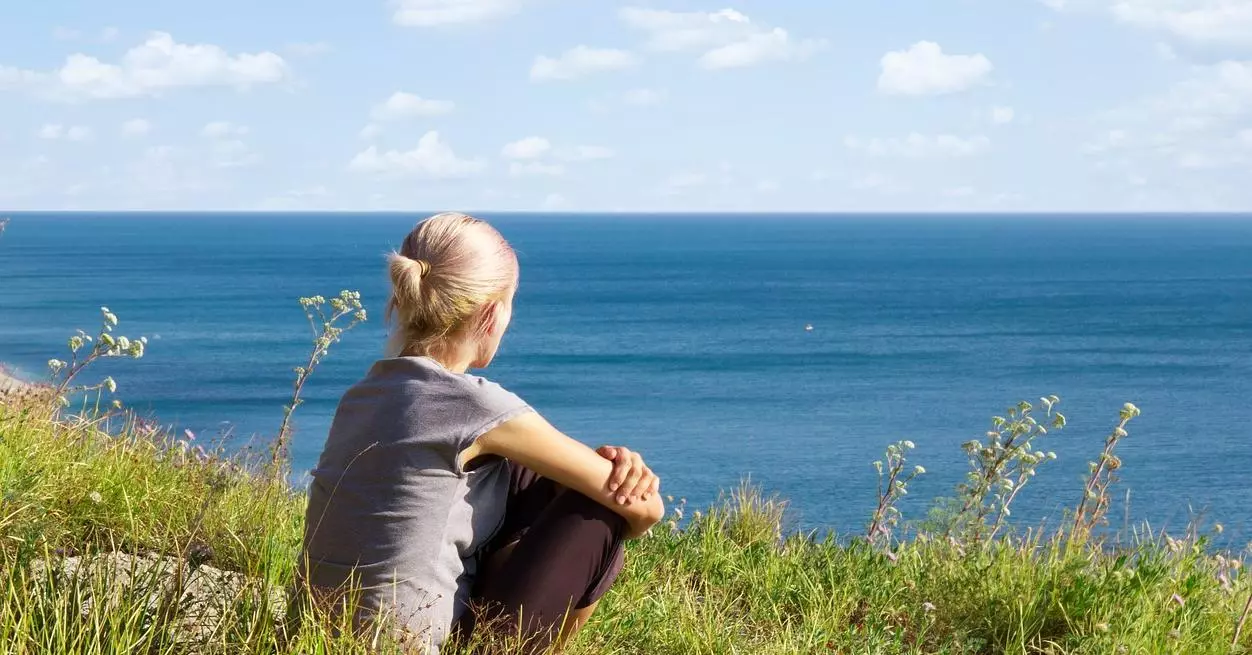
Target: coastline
{"x":15,"y":388}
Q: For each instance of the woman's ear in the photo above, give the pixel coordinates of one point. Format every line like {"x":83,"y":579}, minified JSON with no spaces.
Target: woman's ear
{"x":489,"y":319}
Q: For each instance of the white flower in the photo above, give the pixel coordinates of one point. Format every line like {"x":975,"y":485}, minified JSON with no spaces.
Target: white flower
{"x":95,"y":497}
{"x":110,"y":384}
{"x":928,"y":606}
{"x":919,"y":470}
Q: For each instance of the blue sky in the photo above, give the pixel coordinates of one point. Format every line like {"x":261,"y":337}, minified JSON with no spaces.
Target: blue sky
{"x":944,"y":105}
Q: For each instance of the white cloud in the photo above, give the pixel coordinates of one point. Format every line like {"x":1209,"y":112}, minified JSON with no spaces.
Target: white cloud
{"x":919,"y":146}
{"x":12,"y":78}
{"x":924,"y":69}
{"x":554,"y":202}
{"x":581,"y":61}
{"x":534,"y":168}
{"x":431,"y":13}
{"x":1110,"y":140}
{"x":1204,"y":21}
{"x":136,"y":127}
{"x":432,"y":158}
{"x":584,"y":153}
{"x":55,"y":132}
{"x":401,"y":106}
{"x":226,"y":148}
{"x":158,"y":64}
{"x":232,"y":153}
{"x":222,"y":130}
{"x":1002,"y":115}
{"x":536,"y":151}
{"x":1186,"y":138}
{"x":643,"y":97}
{"x":1217,"y":22}
{"x":531,"y":147}
{"x":371,"y":131}
{"x":726,"y":38}
{"x":775,"y":45}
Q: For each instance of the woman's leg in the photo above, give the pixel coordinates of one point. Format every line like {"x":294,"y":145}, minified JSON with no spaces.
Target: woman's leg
{"x":555,"y":557}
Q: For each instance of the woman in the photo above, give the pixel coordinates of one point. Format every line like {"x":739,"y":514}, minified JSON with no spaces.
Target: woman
{"x":444,"y":501}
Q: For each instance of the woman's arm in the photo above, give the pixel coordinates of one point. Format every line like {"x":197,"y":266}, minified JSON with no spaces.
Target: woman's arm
{"x":534,"y":443}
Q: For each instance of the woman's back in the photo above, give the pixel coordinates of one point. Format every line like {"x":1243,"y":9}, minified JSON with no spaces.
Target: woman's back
{"x":390,"y":504}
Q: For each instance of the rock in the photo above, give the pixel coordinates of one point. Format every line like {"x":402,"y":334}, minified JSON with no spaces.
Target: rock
{"x":201,"y":608}
{"x":14,"y":391}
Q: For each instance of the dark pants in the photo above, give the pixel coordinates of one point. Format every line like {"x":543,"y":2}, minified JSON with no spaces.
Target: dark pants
{"x":567,"y":553}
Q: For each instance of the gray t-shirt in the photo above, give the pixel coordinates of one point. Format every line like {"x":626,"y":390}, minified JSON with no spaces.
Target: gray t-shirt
{"x":389,"y":505}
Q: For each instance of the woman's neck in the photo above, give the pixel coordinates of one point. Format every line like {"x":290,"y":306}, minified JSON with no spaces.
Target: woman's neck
{"x":456,"y":358}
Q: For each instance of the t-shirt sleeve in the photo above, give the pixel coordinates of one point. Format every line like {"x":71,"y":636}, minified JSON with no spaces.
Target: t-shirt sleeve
{"x":491,"y":406}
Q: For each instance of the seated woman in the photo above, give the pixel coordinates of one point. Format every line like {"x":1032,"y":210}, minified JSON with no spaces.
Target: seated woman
{"x":444,"y":501}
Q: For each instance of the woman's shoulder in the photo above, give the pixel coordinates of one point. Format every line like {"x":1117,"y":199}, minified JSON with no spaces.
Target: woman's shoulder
{"x":422,"y":376}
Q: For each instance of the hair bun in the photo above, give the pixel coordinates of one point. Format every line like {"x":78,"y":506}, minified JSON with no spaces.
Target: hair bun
{"x":424,"y":266}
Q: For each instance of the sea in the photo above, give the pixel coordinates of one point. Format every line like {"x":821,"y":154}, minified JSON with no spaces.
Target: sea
{"x":781,"y":351}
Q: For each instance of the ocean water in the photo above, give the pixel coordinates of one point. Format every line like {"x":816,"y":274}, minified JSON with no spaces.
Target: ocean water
{"x":684,"y":337}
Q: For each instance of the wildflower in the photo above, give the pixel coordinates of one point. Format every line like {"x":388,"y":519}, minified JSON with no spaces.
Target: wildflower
{"x":95,"y":497}
{"x":110,"y":384}
{"x":928,"y":606}
{"x":919,"y":470}
{"x":1217,"y":527}
{"x":117,"y":404}
{"x":191,"y":436}
{"x":909,"y":445}
{"x":55,"y":365}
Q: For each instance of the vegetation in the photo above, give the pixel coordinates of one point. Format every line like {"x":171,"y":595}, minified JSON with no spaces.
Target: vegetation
{"x":118,"y":537}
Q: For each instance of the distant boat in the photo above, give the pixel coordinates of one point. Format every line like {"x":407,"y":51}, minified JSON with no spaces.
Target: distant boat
{"x":808,"y":327}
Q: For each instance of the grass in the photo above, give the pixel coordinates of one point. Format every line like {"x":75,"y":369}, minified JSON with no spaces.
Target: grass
{"x":727,"y":581}
{"x":117,"y":537}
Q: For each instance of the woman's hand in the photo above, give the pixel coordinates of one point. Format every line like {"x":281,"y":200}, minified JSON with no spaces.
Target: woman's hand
{"x":631,"y":479}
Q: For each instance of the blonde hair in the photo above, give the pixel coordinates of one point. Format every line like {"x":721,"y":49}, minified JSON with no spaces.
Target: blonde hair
{"x":446,"y":275}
